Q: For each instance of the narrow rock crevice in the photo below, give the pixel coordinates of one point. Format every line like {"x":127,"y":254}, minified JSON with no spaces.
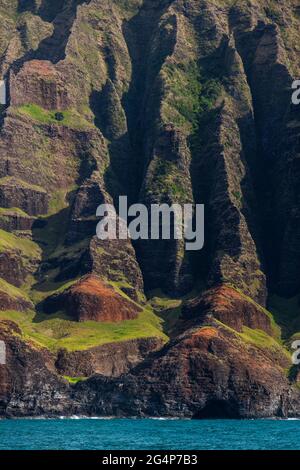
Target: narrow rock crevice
{"x":140,"y":104}
{"x":270,"y":84}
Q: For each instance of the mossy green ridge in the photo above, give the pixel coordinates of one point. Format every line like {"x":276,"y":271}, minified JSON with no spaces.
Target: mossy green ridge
{"x":167,"y":180}
{"x":11,"y":242}
{"x":260,"y":339}
{"x":74,"y":380}
{"x":58,"y":331}
{"x":69,"y":118}
{"x":12,"y":291}
{"x":4,"y":212}
{"x":189,"y":92}
{"x":11,"y":180}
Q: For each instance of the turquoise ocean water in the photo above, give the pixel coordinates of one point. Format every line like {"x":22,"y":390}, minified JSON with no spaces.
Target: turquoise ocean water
{"x":148,"y":434}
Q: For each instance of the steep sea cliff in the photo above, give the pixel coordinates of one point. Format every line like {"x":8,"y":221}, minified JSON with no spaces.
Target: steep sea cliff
{"x":164,"y":101}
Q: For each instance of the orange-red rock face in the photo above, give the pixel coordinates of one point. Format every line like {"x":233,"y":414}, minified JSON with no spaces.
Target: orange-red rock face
{"x":91,"y":299}
{"x":207,"y":372}
{"x":230,"y":307}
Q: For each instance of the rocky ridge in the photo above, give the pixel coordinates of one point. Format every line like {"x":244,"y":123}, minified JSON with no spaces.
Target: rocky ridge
{"x":163,"y":101}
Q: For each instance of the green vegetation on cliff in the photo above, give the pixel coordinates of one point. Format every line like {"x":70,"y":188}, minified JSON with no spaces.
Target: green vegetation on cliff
{"x":105,"y":45}
{"x":167,"y":180}
{"x":74,"y":380}
{"x":263,"y":341}
{"x":128,"y":8}
{"x":5,"y":212}
{"x":58,"y":331}
{"x":189,"y":93}
{"x":259,"y":339}
{"x":12,"y":291}
{"x":11,"y":242}
{"x":69,"y":118}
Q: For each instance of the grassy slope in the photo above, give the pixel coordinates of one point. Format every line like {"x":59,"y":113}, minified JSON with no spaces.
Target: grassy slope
{"x":5,"y":212}
{"x":259,"y":339}
{"x":10,"y":242}
{"x":263,"y":341}
{"x":12,"y":291}
{"x":70,"y":118}
{"x":57,"y":331}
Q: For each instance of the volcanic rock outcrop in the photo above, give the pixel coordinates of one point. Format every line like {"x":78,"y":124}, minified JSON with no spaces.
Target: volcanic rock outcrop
{"x":111,"y":359}
{"x":27,"y":370}
{"x":229,"y":307}
{"x":39,"y":82}
{"x":206,"y":373}
{"x":92,"y":299}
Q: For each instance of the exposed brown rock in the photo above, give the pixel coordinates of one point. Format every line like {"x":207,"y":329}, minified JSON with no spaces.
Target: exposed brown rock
{"x":39,"y":82}
{"x":28,"y":370}
{"x":7,"y":302}
{"x":15,"y":267}
{"x":11,"y":220}
{"x":208,"y":372}
{"x":229,"y":307}
{"x":16,"y":193}
{"x":111,"y":360}
{"x":116,"y":260}
{"x":90,"y":299}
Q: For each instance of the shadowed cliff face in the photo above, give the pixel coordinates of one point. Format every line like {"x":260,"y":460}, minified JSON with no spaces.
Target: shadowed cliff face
{"x":165,"y":101}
